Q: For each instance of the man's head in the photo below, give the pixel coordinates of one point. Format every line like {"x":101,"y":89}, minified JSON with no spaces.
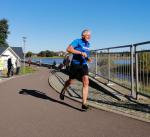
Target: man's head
{"x":86,"y":35}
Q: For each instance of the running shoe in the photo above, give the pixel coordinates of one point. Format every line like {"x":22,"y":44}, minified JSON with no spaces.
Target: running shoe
{"x":62,"y":94}
{"x":85,"y":107}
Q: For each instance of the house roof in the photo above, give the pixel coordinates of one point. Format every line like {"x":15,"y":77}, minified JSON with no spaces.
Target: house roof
{"x":2,"y":49}
{"x":18,"y":51}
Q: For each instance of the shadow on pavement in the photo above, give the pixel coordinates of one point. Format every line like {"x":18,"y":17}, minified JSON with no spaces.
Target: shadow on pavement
{"x":92,"y":84}
{"x":101,"y":89}
{"x":128,"y":105}
{"x":42,"y":95}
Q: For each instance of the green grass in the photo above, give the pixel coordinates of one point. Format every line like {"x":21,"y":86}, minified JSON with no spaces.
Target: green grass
{"x":144,"y":89}
{"x":27,"y":70}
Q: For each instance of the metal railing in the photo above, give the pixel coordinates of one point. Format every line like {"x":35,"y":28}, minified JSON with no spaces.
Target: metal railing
{"x":127,"y":66}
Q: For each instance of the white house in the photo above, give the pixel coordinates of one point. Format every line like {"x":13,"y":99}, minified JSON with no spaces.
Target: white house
{"x":10,"y":52}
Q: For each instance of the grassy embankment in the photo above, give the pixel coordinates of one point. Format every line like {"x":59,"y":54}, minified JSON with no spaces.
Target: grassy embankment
{"x":27,"y":70}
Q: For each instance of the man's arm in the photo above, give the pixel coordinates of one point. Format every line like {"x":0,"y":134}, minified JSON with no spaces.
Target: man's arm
{"x":70,"y":49}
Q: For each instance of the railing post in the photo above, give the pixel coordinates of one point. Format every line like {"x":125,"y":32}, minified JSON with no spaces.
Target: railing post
{"x":96,"y":64}
{"x":136,"y":70}
{"x":108,"y":67}
{"x":133,"y":92}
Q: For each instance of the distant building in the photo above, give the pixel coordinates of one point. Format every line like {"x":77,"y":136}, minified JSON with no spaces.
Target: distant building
{"x":10,"y":52}
{"x":61,"y":53}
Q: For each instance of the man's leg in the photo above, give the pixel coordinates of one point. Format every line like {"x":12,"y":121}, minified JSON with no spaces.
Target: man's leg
{"x":12,"y":71}
{"x":8,"y":73}
{"x":85,"y":81}
{"x":67,"y":83}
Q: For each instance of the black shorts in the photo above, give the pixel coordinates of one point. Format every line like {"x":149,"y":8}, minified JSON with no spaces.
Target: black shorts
{"x":77,"y":71}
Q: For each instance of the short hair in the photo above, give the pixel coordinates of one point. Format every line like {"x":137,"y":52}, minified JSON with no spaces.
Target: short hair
{"x":84,"y":32}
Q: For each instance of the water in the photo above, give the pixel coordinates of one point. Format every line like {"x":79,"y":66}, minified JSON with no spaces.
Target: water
{"x":48,"y":60}
{"x":60,"y":60}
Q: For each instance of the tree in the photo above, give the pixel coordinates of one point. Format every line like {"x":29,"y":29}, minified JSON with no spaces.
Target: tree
{"x":42,"y":54}
{"x":3,"y":32}
{"x":29,"y":54}
{"x":47,"y":53}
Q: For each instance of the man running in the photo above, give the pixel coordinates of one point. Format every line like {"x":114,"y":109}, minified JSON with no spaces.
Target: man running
{"x":80,"y":50}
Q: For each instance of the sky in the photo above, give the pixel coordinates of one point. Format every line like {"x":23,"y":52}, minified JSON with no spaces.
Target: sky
{"x":54,"y":24}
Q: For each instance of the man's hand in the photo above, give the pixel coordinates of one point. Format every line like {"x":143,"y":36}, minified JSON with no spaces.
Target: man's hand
{"x":90,"y":60}
{"x":83,"y":54}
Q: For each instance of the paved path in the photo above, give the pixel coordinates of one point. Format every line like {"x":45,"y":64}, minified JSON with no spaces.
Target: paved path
{"x":29,"y":107}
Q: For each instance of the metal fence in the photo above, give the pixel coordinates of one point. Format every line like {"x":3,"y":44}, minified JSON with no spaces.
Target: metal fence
{"x":127,"y":66}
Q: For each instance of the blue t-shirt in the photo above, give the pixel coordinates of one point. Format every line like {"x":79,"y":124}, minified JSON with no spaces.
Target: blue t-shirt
{"x":83,"y":46}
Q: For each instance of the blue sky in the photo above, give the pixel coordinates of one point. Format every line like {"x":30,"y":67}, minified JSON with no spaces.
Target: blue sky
{"x":53,"y":24}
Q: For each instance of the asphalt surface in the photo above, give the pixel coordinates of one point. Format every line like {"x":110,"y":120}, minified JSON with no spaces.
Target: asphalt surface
{"x":29,"y":107}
